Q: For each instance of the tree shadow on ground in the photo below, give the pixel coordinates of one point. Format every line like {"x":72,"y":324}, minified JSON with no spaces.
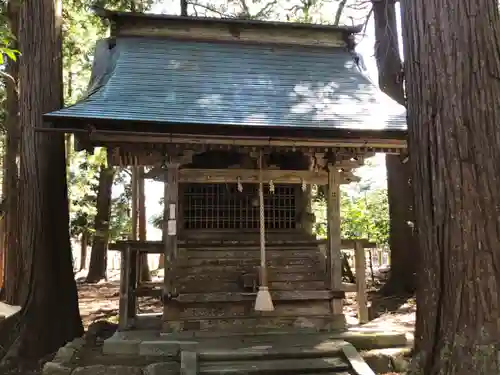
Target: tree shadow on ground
{"x":381,"y":304}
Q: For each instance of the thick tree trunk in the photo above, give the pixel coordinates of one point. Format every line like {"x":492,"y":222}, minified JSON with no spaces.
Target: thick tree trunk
{"x":145,"y":274}
{"x":98,"y":255}
{"x":402,"y":278}
{"x":84,"y":243}
{"x":452,"y":70}
{"x":15,"y":265}
{"x":50,"y":316}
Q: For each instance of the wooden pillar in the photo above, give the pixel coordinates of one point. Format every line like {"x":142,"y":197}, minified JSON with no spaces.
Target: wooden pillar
{"x":123,"y":312}
{"x":170,"y":217}
{"x":334,"y":261}
{"x":360,"y":256}
{"x":134,"y":182}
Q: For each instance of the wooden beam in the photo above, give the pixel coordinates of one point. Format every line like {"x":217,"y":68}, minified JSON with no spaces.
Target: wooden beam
{"x":110,"y":136}
{"x":360,"y":263}
{"x":215,"y":176}
{"x":157,"y":247}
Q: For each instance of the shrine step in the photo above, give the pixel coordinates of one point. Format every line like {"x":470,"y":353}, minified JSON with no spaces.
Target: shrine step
{"x":246,"y":309}
{"x":245,"y":267}
{"x":155,"y":289}
{"x":252,"y":253}
{"x":226,"y":261}
{"x":284,"y":295}
{"x":302,"y":274}
{"x":207,"y":286}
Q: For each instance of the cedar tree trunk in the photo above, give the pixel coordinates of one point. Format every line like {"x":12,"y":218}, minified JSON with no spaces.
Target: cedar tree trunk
{"x":98,"y":255}
{"x":43,"y":205}
{"x":452,"y":70}
{"x":15,"y":265}
{"x":402,"y":278}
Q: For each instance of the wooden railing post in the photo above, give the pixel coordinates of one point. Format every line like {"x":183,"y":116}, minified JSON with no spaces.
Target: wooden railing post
{"x":360,"y":264}
{"x":123,"y":312}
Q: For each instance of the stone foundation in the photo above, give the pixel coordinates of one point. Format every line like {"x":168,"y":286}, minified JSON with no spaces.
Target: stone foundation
{"x":148,"y":353}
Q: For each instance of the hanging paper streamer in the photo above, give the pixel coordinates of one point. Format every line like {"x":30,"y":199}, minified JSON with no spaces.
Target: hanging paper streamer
{"x":240,"y":186}
{"x":304,"y":186}
{"x":271,"y":187}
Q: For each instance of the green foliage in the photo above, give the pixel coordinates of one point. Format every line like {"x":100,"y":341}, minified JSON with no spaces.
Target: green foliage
{"x":83,"y":178}
{"x":364,"y":215}
{"x":83,"y":181}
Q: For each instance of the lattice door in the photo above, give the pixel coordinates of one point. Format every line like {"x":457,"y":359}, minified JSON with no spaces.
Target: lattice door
{"x":222,"y":206}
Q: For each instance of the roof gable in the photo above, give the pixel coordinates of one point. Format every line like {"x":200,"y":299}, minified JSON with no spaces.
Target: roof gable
{"x":227,"y":29}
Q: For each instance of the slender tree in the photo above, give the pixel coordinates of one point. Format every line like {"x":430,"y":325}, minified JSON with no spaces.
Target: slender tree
{"x":50,"y":315}
{"x":98,"y":255}
{"x":145,"y":274}
{"x":452,"y":71}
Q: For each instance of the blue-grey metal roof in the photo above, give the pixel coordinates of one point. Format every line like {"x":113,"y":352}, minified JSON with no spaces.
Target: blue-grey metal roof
{"x":175,"y":82}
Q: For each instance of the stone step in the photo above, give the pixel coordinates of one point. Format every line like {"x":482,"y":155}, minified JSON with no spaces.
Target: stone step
{"x":277,"y":366}
{"x":272,"y":350}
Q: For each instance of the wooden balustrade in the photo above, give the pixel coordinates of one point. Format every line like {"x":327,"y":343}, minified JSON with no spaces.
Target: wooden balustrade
{"x":131,"y":288}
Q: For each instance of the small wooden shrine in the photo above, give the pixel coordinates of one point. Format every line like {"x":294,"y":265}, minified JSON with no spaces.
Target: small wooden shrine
{"x":239,"y":118}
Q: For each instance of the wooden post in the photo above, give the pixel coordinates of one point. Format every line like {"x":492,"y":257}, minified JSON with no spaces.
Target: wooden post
{"x":360,"y":256}
{"x":334,"y":263}
{"x":135,"y":186}
{"x":123,"y":313}
{"x":171,"y":194}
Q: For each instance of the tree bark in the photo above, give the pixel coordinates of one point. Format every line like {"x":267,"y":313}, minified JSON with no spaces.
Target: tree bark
{"x":15,"y":265}
{"x":452,"y":70}
{"x":99,"y":252}
{"x":402,"y":278}
{"x":145,"y":274}
{"x":43,"y":202}
{"x":184,"y":8}
{"x":83,"y":249}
